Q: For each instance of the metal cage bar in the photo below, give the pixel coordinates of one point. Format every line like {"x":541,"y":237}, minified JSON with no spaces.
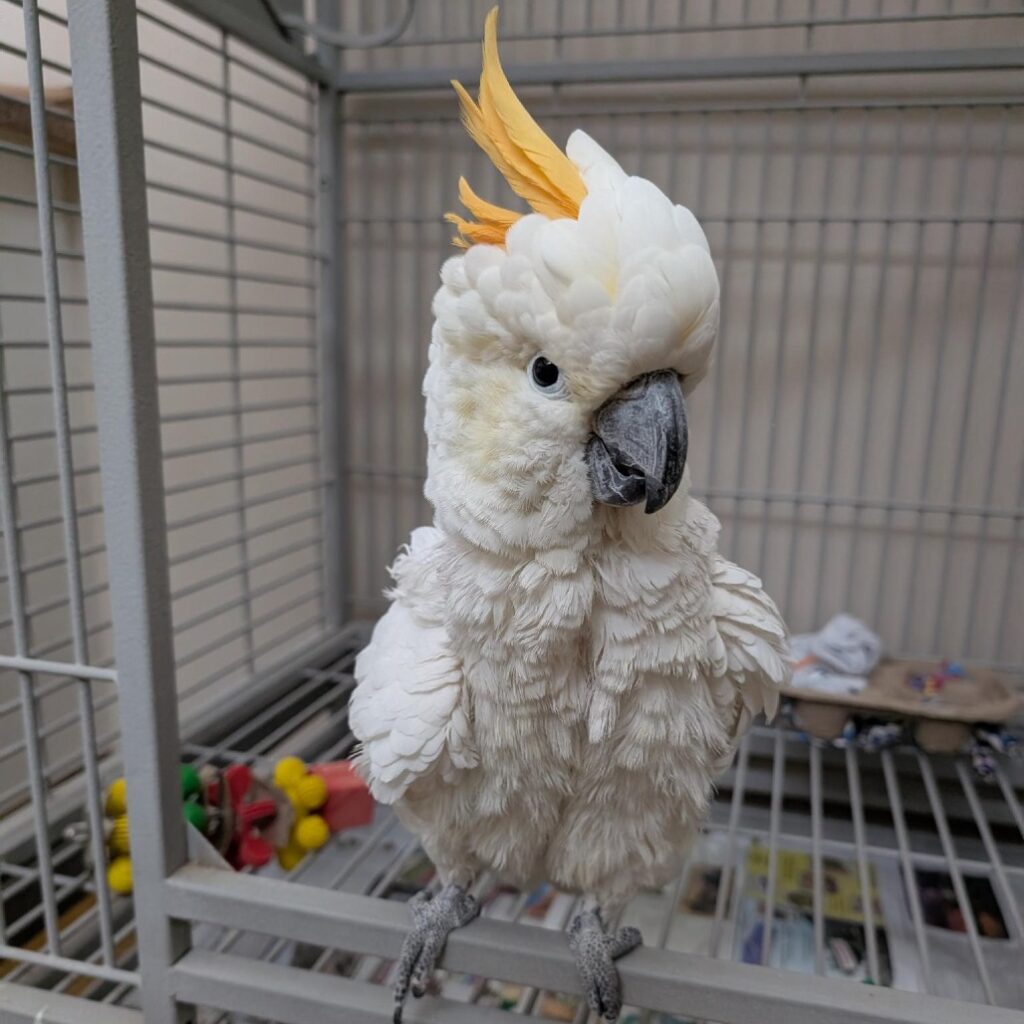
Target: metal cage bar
{"x":670,"y":982}
{"x":695,"y":69}
{"x":72,"y":553}
{"x":332,"y":287}
{"x":29,"y":710}
{"x":104,"y":49}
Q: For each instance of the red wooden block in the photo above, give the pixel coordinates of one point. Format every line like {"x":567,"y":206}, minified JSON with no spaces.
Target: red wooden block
{"x":254,"y":851}
{"x":349,"y":803}
{"x":256,"y":813}
{"x":238,"y":779}
{"x":213,"y":792}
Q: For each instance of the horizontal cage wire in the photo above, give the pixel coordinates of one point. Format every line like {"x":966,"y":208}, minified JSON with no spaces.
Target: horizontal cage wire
{"x":857,"y":438}
{"x":442,"y":34}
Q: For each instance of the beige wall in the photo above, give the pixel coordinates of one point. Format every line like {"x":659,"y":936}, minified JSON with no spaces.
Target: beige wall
{"x":838,"y":377}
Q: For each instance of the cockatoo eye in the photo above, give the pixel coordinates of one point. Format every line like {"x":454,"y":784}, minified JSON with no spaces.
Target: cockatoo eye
{"x":546,"y":377}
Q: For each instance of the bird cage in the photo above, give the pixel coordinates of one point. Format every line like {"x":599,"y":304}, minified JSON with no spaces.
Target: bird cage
{"x":220,"y":231}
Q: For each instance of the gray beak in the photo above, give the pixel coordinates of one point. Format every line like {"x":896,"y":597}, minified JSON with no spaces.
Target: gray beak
{"x":638,"y":448}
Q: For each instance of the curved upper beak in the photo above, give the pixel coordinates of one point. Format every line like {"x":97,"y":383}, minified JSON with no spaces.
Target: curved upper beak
{"x":638,"y":449}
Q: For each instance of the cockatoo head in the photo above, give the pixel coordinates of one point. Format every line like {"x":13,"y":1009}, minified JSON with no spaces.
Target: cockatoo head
{"x":565,"y":340}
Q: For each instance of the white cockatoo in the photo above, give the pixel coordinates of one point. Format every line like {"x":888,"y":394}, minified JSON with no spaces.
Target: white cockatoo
{"x":567,"y":662}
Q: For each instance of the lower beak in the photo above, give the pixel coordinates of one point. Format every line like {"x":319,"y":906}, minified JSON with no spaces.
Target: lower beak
{"x":638,"y":449}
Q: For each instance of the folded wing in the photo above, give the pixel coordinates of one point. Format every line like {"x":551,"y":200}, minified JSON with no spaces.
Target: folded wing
{"x":748,"y":650}
{"x":408,"y":710}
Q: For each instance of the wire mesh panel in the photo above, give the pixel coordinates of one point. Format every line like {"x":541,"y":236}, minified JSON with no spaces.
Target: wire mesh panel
{"x":858,"y":436}
{"x":229,"y":155}
{"x":47,"y":499}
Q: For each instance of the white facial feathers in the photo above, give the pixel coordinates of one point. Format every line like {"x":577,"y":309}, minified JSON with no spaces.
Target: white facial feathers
{"x":626,"y":288}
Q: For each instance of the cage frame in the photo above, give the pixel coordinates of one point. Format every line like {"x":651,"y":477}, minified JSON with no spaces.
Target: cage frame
{"x":172,"y":895}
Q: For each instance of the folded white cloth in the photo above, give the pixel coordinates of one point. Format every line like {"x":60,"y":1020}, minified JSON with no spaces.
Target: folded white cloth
{"x":815,"y":676}
{"x":836,"y":659}
{"x":845,"y":644}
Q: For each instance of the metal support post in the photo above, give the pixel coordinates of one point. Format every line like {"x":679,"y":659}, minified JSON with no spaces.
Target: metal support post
{"x":108,"y":122}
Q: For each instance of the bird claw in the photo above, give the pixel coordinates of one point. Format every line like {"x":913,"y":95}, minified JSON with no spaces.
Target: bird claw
{"x":596,"y":950}
{"x":434,"y":918}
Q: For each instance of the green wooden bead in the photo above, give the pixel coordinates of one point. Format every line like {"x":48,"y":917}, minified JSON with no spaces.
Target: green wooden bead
{"x":195,"y":814}
{"x":190,"y":784}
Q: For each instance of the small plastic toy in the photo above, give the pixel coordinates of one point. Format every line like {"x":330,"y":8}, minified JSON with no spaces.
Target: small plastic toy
{"x":930,"y":684}
{"x":190,"y":782}
{"x":249,"y":819}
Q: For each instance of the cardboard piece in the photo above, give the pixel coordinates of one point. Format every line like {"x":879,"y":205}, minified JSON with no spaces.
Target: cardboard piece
{"x":945,"y":715}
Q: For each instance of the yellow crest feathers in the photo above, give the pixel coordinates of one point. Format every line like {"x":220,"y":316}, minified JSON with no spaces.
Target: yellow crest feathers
{"x":534,"y":167}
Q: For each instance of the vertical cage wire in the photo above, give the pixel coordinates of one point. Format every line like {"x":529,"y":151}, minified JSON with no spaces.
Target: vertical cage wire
{"x":64,"y":610}
{"x":29,"y":715}
{"x":55,"y":333}
{"x":333,"y":293}
{"x":26,"y":754}
{"x":235,"y":367}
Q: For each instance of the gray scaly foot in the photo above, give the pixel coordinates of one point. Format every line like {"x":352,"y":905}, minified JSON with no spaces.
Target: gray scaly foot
{"x":433,"y":919}
{"x":596,"y":950}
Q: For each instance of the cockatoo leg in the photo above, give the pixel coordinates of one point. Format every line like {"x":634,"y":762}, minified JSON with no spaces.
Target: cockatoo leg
{"x":596,"y":949}
{"x":434,"y":918}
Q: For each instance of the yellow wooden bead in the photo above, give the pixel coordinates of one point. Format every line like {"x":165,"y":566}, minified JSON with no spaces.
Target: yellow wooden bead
{"x":292,"y":792}
{"x":289,"y":856}
{"x":119,"y":875}
{"x":288,"y":771}
{"x":312,"y":832}
{"x":117,"y":798}
{"x":311,"y":791}
{"x":118,"y":840}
